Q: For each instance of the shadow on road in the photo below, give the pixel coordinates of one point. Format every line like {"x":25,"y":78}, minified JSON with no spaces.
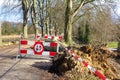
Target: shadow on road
{"x":42,"y":65}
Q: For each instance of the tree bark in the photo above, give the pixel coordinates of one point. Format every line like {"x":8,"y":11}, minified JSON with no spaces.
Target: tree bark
{"x":41,"y":15}
{"x":48,"y":13}
{"x":68,"y":23}
{"x":69,"y":15}
{"x":0,"y":35}
{"x":35,"y":18}
{"x":25,"y":7}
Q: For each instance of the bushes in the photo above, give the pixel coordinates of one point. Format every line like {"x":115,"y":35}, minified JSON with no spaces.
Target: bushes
{"x":84,"y":35}
{"x":9,"y":28}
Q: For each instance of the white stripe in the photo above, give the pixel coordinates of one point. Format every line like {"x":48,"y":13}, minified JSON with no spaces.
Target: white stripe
{"x":80,"y":59}
{"x":46,"y":43}
{"x":56,"y":38}
{"x":91,"y":68}
{"x":49,"y":37}
{"x":106,"y":79}
{"x":74,"y":54}
{"x":58,"y":47}
{"x":45,"y":53}
{"x":30,"y":52}
{"x":31,"y":43}
{"x":38,"y":38}
{"x":66,"y":49}
{"x":69,"y":51}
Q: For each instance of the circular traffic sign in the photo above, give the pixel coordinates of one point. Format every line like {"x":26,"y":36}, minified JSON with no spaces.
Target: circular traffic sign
{"x":38,"y":47}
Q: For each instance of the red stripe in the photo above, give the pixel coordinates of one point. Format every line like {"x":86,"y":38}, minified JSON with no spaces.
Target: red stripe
{"x":60,"y":37}
{"x":76,"y":56}
{"x":53,"y":44}
{"x":53,"y":53}
{"x":71,"y":52}
{"x":100,"y":75}
{"x":37,"y":36}
{"x":52,"y":37}
{"x":45,"y":36}
{"x":24,"y":42}
{"x":23,"y":51}
{"x":85,"y":63}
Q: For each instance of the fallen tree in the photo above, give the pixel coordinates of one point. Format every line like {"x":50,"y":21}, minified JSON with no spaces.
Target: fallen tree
{"x":99,"y":57}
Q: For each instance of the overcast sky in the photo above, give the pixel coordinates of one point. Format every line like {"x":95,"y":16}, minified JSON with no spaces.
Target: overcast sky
{"x":18,"y":16}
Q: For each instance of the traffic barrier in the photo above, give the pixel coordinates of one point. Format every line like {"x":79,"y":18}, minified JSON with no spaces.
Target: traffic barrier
{"x":53,"y":37}
{"x":96,"y":72}
{"x":37,"y":48}
{"x":38,"y":37}
{"x":21,"y":36}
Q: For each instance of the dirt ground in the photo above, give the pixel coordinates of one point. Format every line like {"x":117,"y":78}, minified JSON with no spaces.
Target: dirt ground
{"x":28,"y":68}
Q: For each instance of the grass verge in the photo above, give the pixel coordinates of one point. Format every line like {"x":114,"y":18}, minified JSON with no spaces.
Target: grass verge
{"x":112,"y":44}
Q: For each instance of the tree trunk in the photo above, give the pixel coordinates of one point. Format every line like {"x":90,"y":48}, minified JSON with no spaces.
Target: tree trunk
{"x":68,"y":23}
{"x":42,"y":18}
{"x":48,"y":13}
{"x":69,"y":15}
{"x":25,"y":28}
{"x":35,"y":18}
{"x":0,"y":35}
{"x":25,"y":7}
{"x":25,"y":20}
{"x":47,"y":26}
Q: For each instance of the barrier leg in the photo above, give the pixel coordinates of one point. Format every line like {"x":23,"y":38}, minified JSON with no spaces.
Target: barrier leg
{"x":19,"y":55}
{"x":58,"y":48}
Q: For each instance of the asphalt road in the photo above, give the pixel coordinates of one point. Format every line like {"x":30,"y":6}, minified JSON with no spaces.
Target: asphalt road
{"x":27,"y":68}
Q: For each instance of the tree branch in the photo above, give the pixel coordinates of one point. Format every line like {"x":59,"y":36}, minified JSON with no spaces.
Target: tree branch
{"x":88,"y":2}
{"x":78,"y":8}
{"x":11,"y":9}
{"x":82,"y":3}
{"x":78,"y":17}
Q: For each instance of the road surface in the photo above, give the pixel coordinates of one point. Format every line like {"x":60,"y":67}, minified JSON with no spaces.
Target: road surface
{"x":28,"y":68}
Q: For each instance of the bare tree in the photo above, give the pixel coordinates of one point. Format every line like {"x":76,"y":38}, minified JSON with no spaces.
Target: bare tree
{"x":34,"y":16}
{"x":25,"y":8}
{"x":69,"y":15}
{"x":42,"y":14}
{"x":48,"y":16}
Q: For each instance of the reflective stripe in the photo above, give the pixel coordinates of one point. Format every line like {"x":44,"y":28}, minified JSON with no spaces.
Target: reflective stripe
{"x":46,"y":43}
{"x":100,"y":75}
{"x":45,"y":53}
{"x":53,"y":44}
{"x":23,"y":42}
{"x":31,"y":43}
{"x":30,"y":52}
{"x":91,"y":68}
{"x":80,"y":59}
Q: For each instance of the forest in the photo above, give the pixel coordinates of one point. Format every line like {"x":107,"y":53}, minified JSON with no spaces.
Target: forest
{"x":84,"y":21}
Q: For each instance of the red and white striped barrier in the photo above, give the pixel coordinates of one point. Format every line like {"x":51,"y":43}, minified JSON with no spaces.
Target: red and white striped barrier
{"x":54,"y":37}
{"x":96,"y":72}
{"x":21,"y":36}
{"x":38,"y":37}
{"x":38,"y":48}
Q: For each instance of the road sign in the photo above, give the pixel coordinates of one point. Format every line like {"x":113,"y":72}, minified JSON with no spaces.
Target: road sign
{"x":38,"y":47}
